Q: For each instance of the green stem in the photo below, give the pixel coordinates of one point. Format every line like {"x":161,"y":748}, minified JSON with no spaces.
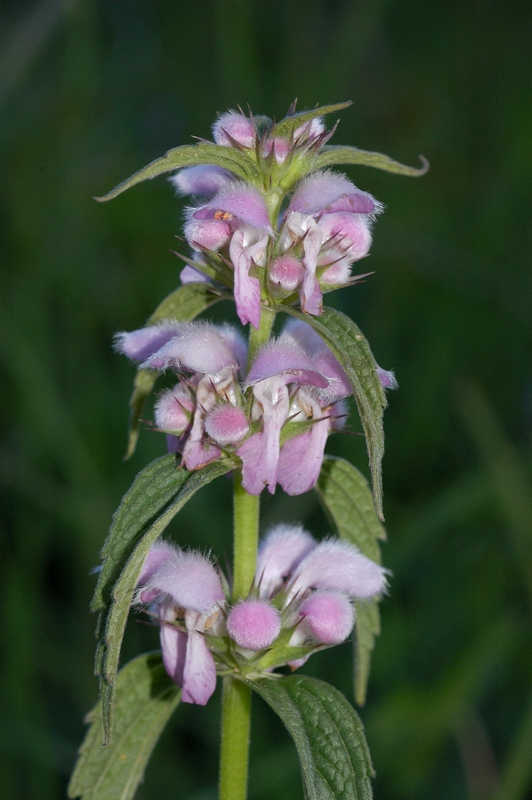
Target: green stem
{"x":259,"y":337}
{"x":246,"y":538}
{"x":236,"y":700}
{"x":236,"y":716}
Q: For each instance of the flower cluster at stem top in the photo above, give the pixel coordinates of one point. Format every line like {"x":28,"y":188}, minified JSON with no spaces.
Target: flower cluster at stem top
{"x":244,"y":238}
{"x":301,"y":600}
{"x":273,"y":421}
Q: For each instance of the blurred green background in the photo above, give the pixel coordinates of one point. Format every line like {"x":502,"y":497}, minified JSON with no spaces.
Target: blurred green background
{"x":90,"y":92}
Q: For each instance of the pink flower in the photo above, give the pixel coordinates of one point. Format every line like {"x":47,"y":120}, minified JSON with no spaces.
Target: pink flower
{"x":277,"y":365}
{"x":213,"y":356}
{"x":184,"y":585}
{"x":314,"y":584}
{"x":330,"y":219}
{"x":236,"y":223}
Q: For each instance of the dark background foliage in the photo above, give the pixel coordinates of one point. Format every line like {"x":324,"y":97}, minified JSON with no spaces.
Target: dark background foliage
{"x":91,"y":91}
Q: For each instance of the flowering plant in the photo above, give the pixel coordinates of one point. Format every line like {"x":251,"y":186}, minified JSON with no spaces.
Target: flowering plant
{"x":273,"y":229}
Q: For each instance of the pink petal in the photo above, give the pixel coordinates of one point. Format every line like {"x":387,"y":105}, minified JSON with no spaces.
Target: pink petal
{"x":320,"y":190}
{"x":196,"y":346}
{"x":190,"y":579}
{"x":199,"y":674}
{"x":279,"y":554}
{"x":173,"y":644}
{"x":159,"y":552}
{"x":260,"y":453}
{"x":207,"y":233}
{"x":349,"y":233}
{"x":340,"y":566}
{"x":328,"y":616}
{"x":287,"y":273}
{"x":235,"y":340}
{"x":254,"y":624}
{"x":174,"y":410}
{"x":226,"y":424}
{"x":235,"y":126}
{"x":190,"y":275}
{"x":236,"y":200}
{"x":204,"y":179}
{"x":284,"y":357}
{"x":311,"y":296}
{"x":387,"y":379}
{"x":247,"y":288}
{"x":301,"y":458}
{"x":140,"y":344}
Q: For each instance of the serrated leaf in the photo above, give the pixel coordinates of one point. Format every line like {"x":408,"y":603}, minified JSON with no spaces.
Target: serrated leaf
{"x":352,"y":350}
{"x":191,"y":155}
{"x":288,"y":124}
{"x":157,"y":494}
{"x":328,"y":734}
{"x":368,"y":627}
{"x":184,"y":305}
{"x":339,"y":154}
{"x":145,"y":700}
{"x":346,"y":498}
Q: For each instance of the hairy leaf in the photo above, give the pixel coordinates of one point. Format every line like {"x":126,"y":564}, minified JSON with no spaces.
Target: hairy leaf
{"x":289,"y":124}
{"x":184,"y":305}
{"x":346,"y":498}
{"x":352,"y":350}
{"x":328,"y":734}
{"x":339,"y":154}
{"x":191,"y":155}
{"x":145,"y":700}
{"x":157,"y":494}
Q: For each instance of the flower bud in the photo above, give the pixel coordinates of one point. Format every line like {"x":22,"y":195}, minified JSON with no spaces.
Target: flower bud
{"x":328,"y":616}
{"x":174,"y":410}
{"x":287,"y":272}
{"x":254,"y":624}
{"x":226,"y":424}
{"x":232,"y":126}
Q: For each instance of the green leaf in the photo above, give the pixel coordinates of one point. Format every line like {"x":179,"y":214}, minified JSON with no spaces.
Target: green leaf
{"x":289,"y":124}
{"x":352,"y":350}
{"x":191,"y":155}
{"x":184,"y":305}
{"x":367,"y":627}
{"x":339,"y":154}
{"x":346,"y":498}
{"x":157,"y":494}
{"x":145,"y":700}
{"x":328,"y":734}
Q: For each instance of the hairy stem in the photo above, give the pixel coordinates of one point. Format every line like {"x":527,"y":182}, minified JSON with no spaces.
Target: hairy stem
{"x":259,"y":337}
{"x":236,"y":700}
{"x":236,"y":715}
{"x":246,"y":509}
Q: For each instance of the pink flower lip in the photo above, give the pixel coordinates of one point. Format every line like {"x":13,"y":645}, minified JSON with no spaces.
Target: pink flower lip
{"x":286,"y":357}
{"x":236,"y":200}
